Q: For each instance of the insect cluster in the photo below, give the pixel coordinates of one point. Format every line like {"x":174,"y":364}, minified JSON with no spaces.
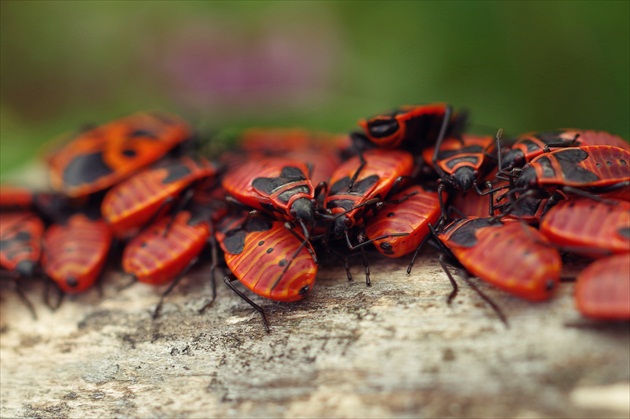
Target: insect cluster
{"x":283,"y":199}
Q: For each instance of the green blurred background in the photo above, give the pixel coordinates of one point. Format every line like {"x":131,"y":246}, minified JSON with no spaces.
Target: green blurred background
{"x":517,"y":65}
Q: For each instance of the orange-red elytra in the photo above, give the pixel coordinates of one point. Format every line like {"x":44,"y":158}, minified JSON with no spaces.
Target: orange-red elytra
{"x":100,"y":157}
{"x":75,"y":252}
{"x":134,"y":202}
{"x":602,"y":289}
{"x":511,"y":256}
{"x":269,"y":259}
{"x":589,"y":227}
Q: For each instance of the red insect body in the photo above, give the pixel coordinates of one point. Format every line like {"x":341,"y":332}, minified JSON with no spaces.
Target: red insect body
{"x":20,"y":242}
{"x":602,"y":290}
{"x":75,"y":252}
{"x":277,"y":186}
{"x":258,"y":250}
{"x":131,"y":204}
{"x":382,"y":169}
{"x":155,"y":258}
{"x":409,"y":127}
{"x":511,"y":256}
{"x":589,"y":227}
{"x":98,"y":158}
{"x":411,"y":215}
{"x":531,"y":145}
{"x":580,"y":167}
{"x":461,"y":162}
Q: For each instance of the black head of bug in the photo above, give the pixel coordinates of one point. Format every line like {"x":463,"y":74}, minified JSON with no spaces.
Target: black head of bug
{"x":340,"y":226}
{"x":303,"y":209}
{"x":527,"y":178}
{"x":513,"y":158}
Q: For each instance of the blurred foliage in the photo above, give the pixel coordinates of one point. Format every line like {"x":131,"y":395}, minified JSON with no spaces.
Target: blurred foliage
{"x":517,"y":65}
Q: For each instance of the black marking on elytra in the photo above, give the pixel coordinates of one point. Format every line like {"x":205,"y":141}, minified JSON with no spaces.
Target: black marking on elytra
{"x":234,"y":241}
{"x":462,"y":159}
{"x":143,"y":133}
{"x":530,"y":145}
{"x":362,"y":186}
{"x":574,"y":173}
{"x":85,"y":169}
{"x":341,"y":185}
{"x":572,"y":155}
{"x":282,"y":263}
{"x":391,"y":214}
{"x":129,"y":152}
{"x":624,"y":232}
{"x":465,"y":235}
{"x":258,"y":224}
{"x":270,"y":250}
{"x":72,"y":281}
{"x":547,"y":168}
{"x":260,"y":243}
{"x":288,"y":175}
{"x":383,"y":127}
{"x":286,"y":195}
{"x":176,"y":172}
{"x":549,"y":136}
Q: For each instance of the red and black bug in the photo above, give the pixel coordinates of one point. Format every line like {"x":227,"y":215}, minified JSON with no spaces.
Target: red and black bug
{"x":100,"y":157}
{"x":277,"y":186}
{"x":531,"y":145}
{"x":411,"y":127}
{"x":593,"y":167}
{"x":511,"y":256}
{"x":270,"y":260}
{"x":589,"y":227}
{"x":75,"y":252}
{"x":168,"y":248}
{"x":129,"y":205}
{"x":20,"y":242}
{"x":20,"y":248}
{"x":602,"y":290}
{"x":382,"y":170}
{"x":411,"y":212}
{"x":460,"y":163}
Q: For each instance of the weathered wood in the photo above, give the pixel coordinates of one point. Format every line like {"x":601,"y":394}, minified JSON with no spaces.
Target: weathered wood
{"x":393,"y":350}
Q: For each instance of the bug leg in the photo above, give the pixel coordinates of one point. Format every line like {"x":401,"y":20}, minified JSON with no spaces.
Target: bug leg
{"x":177,"y":280}
{"x":368,"y":282}
{"x":25,"y":300}
{"x":60,"y":295}
{"x":362,"y":164}
{"x":344,"y":260}
{"x":487,"y":299}
{"x":453,"y":293}
{"x":415,"y":254}
{"x":228,"y":281}
{"x":213,"y":267}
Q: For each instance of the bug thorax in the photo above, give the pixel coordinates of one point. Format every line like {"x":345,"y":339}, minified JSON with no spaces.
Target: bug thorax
{"x":303,"y":209}
{"x":527,"y":178}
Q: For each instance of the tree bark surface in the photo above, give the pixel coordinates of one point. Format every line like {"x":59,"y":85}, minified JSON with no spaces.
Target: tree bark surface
{"x":395,"y":349}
